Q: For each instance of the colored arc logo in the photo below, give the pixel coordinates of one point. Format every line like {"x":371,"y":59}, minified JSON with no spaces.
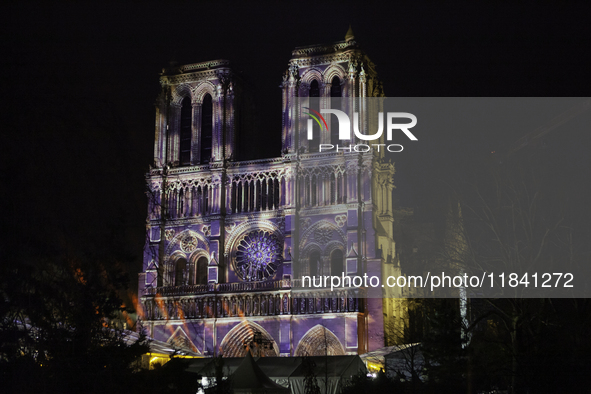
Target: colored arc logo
{"x":316,"y":119}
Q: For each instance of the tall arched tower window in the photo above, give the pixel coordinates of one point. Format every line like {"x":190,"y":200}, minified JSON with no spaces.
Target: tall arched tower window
{"x":185,"y":137}
{"x":206,"y":128}
{"x":336,"y":263}
{"x":315,"y":104}
{"x":335,"y":103}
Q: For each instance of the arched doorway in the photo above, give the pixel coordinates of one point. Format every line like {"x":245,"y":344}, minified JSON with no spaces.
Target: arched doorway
{"x":244,"y":333}
{"x":319,"y":341}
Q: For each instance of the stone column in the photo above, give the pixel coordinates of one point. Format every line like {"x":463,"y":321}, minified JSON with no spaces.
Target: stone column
{"x":218,"y":118}
{"x":160,"y":146}
{"x":363,"y":125}
{"x":230,"y":137}
{"x":304,"y":101}
{"x":325,"y":103}
{"x":350,"y":88}
{"x":291,"y":112}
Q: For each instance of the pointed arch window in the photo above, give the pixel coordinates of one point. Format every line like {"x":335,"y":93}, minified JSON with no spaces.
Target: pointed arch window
{"x":336,"y":262}
{"x":315,"y":105}
{"x":179,"y":271}
{"x":251,"y":198}
{"x":276,"y":193}
{"x":185,"y":135}
{"x":206,"y":128}
{"x":233,"y":198}
{"x":314,"y":200}
{"x":335,"y":88}
{"x":239,"y":193}
{"x":314,"y":263}
{"x":335,"y":103}
{"x":333,"y":192}
{"x":202,"y":271}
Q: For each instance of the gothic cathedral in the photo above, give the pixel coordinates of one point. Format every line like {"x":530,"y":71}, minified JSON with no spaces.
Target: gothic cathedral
{"x":229,"y":239}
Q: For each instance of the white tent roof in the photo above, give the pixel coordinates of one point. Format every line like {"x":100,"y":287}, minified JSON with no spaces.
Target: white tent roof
{"x":288,"y":371}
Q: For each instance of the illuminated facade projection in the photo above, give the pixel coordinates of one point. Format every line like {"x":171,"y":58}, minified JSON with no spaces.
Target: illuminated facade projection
{"x":229,"y":239}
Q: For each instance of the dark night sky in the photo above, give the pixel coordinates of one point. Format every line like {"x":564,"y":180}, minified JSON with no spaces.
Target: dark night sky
{"x":79,"y":82}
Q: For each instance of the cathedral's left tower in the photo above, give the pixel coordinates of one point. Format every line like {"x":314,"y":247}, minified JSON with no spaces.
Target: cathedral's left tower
{"x":196,"y":115}
{"x":196,"y":122}
{"x":217,"y":234}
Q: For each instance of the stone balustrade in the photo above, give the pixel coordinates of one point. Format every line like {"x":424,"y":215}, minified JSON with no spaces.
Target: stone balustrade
{"x":234,"y":300}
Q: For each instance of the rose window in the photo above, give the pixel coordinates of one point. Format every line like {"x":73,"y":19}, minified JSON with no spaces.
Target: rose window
{"x":189,"y":244}
{"x":258,"y":256}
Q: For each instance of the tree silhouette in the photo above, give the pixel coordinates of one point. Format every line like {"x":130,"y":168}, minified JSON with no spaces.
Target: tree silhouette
{"x":56,"y":331}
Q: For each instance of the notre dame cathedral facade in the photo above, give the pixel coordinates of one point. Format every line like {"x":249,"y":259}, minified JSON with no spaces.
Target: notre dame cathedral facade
{"x":229,"y":239}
